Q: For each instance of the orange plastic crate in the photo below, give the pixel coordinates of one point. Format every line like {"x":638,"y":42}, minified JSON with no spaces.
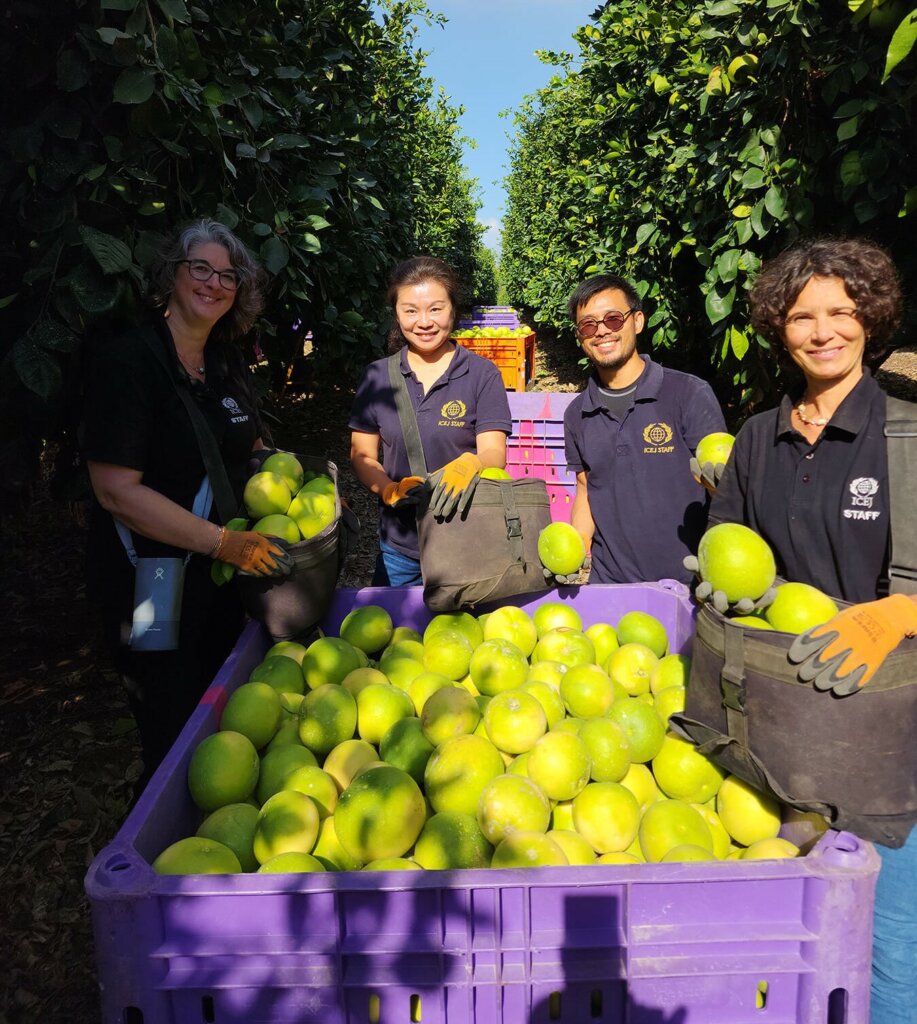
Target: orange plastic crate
{"x":514,"y":357}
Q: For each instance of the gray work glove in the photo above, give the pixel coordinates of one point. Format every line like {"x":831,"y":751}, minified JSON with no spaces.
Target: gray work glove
{"x":707,"y":474}
{"x":705,"y":594}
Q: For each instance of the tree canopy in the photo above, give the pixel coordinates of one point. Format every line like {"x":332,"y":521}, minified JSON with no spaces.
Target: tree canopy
{"x":307,"y":126}
{"x":686,"y":142}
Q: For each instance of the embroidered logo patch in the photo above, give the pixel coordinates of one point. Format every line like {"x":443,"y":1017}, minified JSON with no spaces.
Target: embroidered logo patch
{"x":863,"y":490}
{"x":235,"y":412}
{"x":453,"y":414}
{"x":656,"y":436}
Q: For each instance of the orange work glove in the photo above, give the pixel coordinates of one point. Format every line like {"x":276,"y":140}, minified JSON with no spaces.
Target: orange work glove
{"x":844,"y":653}
{"x":454,"y":485}
{"x":253,"y":553}
{"x":407,"y":491}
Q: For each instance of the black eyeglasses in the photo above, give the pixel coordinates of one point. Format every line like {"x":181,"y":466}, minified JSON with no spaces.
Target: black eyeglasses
{"x":613,"y":320}
{"x":201,"y":270}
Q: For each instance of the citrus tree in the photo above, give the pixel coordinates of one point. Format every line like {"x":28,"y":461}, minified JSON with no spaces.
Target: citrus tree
{"x":689,"y":141}
{"x":287,"y":121}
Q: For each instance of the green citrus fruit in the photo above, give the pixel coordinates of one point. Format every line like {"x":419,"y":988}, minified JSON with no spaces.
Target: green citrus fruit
{"x":559,"y":764}
{"x":329,"y":660}
{"x":643,"y":628}
{"x":223,"y":770}
{"x":457,"y":772}
{"x":512,"y":803}
{"x":369,"y":628}
{"x":551,"y":615}
{"x":797,"y":607}
{"x":196,"y":856}
{"x":406,"y":747}
{"x":266,"y":494}
{"x":644,"y":728}
{"x":528,"y":850}
{"x":514,"y":720}
{"x":279,"y":526}
{"x":329,"y":716}
{"x":286,"y":466}
{"x":561,"y":549}
{"x":346,"y":759}
{"x":380,"y":814}
{"x":451,"y":840}
{"x":449,"y":712}
{"x":292,"y":862}
{"x":287,"y":823}
{"x":233,"y":825}
{"x":735,"y":560}
{"x":747,"y":814}
{"x":684,"y":773}
{"x":276,"y":765}
{"x":609,"y":749}
{"x":715,"y":448}
{"x":606,"y":815}
{"x":254,"y":710}
{"x":670,"y":823}
{"x":280,"y":672}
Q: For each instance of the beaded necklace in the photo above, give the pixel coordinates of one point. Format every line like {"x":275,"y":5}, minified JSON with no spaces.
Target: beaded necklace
{"x":801,"y":413}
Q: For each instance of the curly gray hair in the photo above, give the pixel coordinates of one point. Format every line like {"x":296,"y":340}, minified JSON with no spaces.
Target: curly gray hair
{"x":249,"y":301}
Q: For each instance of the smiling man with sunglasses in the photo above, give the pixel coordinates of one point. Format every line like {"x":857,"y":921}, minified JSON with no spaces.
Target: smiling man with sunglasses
{"x":629,"y":438}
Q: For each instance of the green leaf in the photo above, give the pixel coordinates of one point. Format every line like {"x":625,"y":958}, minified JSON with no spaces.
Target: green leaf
{"x":317,"y":223}
{"x":851,"y":170}
{"x":310,"y":243}
{"x":738,"y":342}
{"x":226,"y":215}
{"x":775,"y":203}
{"x":274,"y":254}
{"x":117,"y":5}
{"x":718,"y":303}
{"x":290,"y":73}
{"x":8,"y":300}
{"x":72,"y":71}
{"x":741,"y":211}
{"x":289,"y":141}
{"x":167,"y":46}
{"x":645,"y":232}
{"x":37,"y":369}
{"x":176,"y":10}
{"x":722,"y":9}
{"x":902,"y":43}
{"x":54,"y":336}
{"x":112,"y":255}
{"x":727,"y":265}
{"x":93,"y":292}
{"x":108,"y":35}
{"x":134,"y":85}
{"x":848,"y":109}
{"x":753,"y":178}
{"x":847,"y":129}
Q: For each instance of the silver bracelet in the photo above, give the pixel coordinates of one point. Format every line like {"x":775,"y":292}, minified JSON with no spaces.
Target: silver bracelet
{"x":217,"y":544}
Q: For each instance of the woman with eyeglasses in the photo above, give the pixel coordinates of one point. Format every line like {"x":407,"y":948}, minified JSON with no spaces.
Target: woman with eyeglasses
{"x":811,"y":477}
{"x":629,"y":438}
{"x":149,"y":478}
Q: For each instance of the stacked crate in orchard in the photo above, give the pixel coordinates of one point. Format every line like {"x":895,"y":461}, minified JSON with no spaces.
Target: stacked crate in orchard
{"x":536,"y":446}
{"x":500,"y":337}
{"x":722,"y":942}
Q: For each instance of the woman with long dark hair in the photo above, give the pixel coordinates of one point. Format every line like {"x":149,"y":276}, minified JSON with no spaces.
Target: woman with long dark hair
{"x":149,"y":478}
{"x":461,"y":408}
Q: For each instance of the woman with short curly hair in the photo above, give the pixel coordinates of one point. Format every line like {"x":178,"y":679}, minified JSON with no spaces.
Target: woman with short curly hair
{"x":151,"y":483}
{"x":811,"y":477}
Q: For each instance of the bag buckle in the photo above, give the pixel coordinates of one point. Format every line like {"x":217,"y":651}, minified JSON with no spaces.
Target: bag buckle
{"x":513,"y":526}
{"x":732,"y":686}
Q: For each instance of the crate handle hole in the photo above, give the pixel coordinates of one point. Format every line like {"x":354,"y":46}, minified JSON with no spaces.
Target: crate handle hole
{"x":375,"y":1009}
{"x":415,"y":1009}
{"x":595,"y":1003}
{"x":208,"y":1011}
{"x":837,"y":1006}
{"x":118,"y":863}
{"x":132,"y":1015}
{"x":554,"y":1009}
{"x":761,"y":996}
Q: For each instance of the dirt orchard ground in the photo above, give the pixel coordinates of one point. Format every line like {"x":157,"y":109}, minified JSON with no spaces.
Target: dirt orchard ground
{"x":68,"y":750}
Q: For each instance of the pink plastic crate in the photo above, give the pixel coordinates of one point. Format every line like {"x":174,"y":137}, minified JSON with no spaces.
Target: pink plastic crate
{"x":689,"y":943}
{"x":536,"y":446}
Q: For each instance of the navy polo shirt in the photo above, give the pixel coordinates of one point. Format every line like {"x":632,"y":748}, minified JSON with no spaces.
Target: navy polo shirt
{"x":822,"y":507}
{"x":467,"y":400}
{"x":648,"y":509}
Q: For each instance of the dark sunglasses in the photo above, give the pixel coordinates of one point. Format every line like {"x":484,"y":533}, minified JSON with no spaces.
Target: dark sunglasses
{"x":613,"y":320}
{"x":201,"y":270}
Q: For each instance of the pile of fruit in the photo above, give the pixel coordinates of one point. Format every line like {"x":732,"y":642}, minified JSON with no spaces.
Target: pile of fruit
{"x":493,"y":332}
{"x":285,"y":501}
{"x":506,"y":740}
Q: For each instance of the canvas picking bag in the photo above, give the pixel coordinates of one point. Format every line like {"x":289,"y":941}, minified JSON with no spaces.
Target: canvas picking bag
{"x":852,"y":759}
{"x":291,"y":606}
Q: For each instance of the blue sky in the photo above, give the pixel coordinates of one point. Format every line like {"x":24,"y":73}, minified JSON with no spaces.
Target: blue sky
{"x":485,"y":60}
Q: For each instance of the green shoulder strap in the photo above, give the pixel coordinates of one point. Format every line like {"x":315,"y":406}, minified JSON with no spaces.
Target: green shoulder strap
{"x":407,"y":416}
{"x":901,"y":435}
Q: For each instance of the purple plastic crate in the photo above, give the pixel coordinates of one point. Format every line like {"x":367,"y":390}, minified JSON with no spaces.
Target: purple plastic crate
{"x":635,"y":944}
